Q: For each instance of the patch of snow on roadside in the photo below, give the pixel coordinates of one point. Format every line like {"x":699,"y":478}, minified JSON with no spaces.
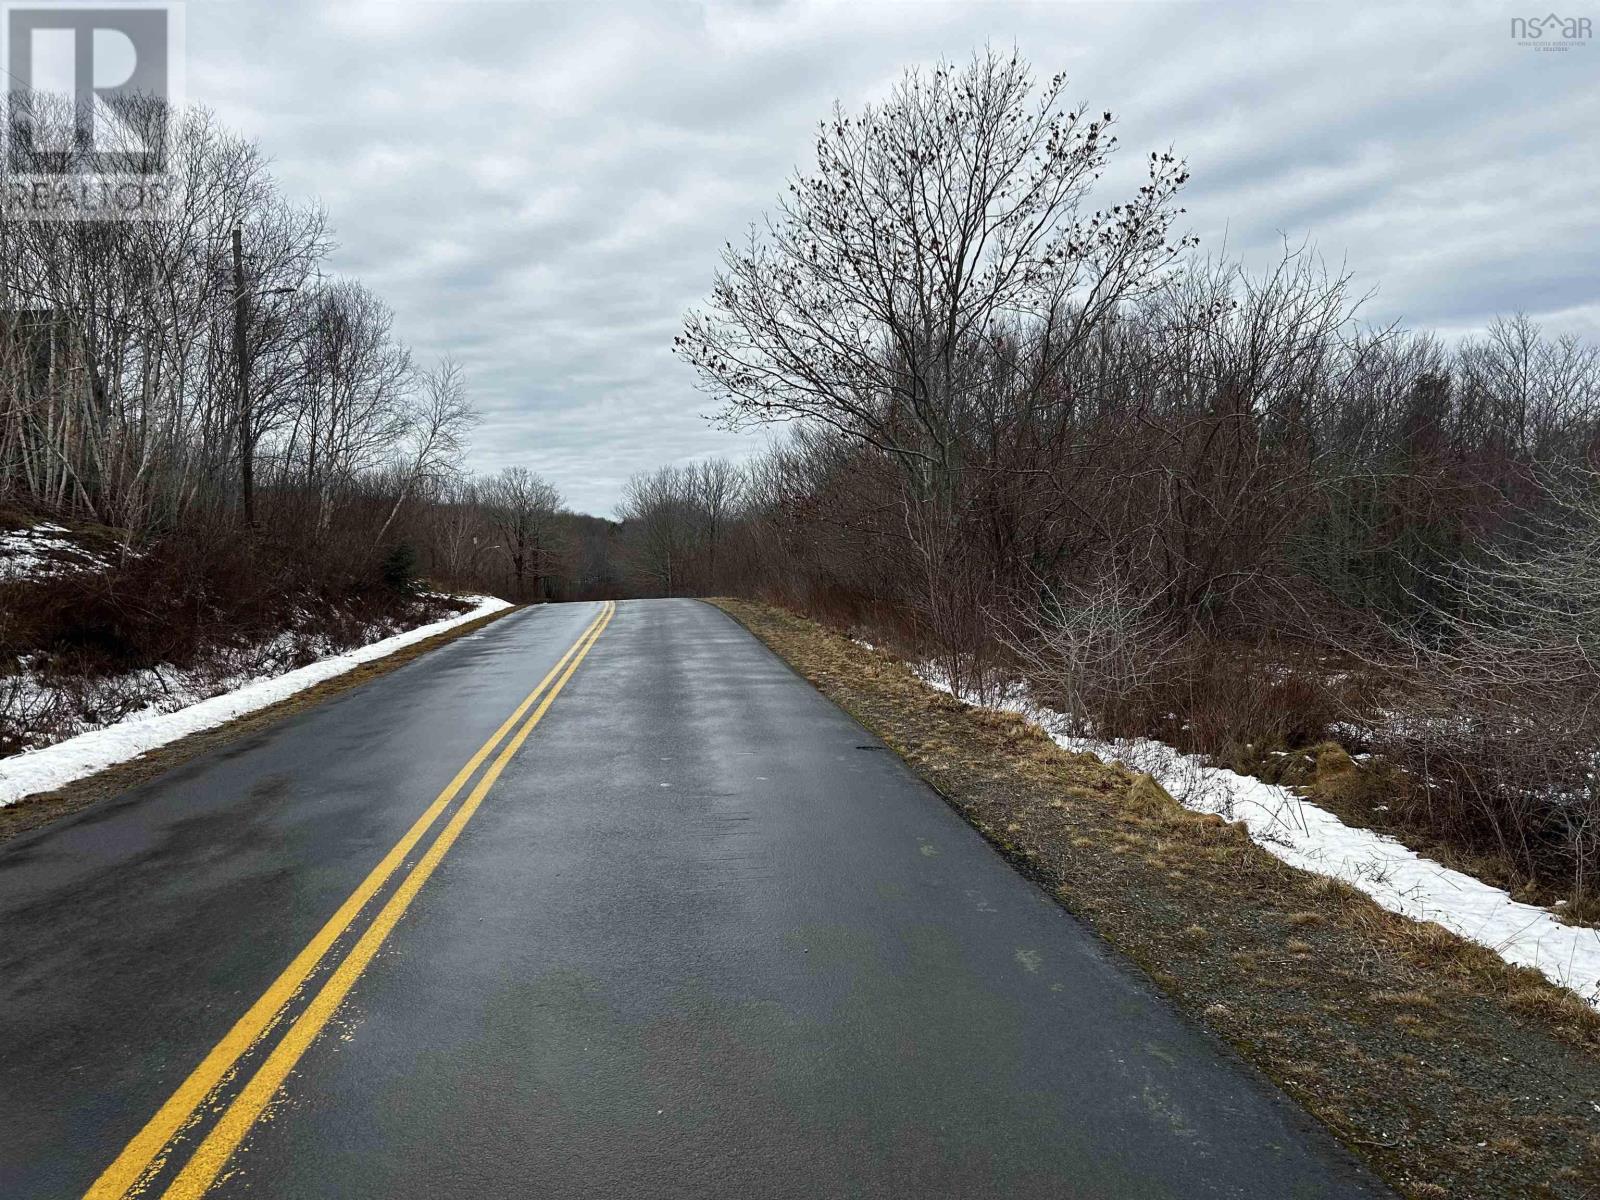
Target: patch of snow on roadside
{"x":54,"y":766}
{"x":1303,"y":835}
{"x":40,"y":551}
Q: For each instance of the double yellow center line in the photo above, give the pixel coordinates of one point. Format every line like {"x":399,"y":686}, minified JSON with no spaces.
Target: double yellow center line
{"x":144,"y":1157}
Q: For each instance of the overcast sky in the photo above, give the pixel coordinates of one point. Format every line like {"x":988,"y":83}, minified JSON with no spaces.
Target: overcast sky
{"x":541,"y":189}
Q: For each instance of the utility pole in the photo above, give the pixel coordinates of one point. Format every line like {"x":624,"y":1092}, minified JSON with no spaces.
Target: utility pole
{"x":241,"y":364}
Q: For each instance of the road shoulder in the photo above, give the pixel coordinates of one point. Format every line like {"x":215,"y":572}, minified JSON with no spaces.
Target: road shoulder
{"x":1449,"y":1071}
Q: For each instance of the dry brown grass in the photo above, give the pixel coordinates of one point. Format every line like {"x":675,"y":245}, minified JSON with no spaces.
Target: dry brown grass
{"x":1408,"y":999}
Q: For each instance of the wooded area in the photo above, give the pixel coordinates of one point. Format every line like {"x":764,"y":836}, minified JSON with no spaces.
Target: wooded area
{"x":1034,"y":432}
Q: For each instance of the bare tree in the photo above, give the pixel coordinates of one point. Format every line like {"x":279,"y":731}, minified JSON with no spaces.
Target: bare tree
{"x":716,"y":487}
{"x":522,"y":509}
{"x":950,"y":215}
{"x":439,"y":421}
{"x":661,"y":526}
{"x":350,"y":414}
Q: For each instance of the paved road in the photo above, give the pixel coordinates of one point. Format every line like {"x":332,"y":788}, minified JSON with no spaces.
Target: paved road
{"x":703,"y":936}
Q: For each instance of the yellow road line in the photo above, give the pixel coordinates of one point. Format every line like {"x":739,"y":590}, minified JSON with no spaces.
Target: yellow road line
{"x":213,"y":1154}
{"x":145,"y":1154}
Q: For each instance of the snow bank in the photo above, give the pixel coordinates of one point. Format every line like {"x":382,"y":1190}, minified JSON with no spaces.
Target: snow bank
{"x":1284,"y":824}
{"x":51,"y":767}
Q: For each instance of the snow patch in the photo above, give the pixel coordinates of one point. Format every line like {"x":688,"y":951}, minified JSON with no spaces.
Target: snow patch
{"x":51,"y":767}
{"x":1303,"y":835}
{"x":40,"y":552}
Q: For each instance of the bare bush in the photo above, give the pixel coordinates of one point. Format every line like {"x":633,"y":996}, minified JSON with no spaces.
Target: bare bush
{"x":1093,"y":650}
{"x":1499,"y":715}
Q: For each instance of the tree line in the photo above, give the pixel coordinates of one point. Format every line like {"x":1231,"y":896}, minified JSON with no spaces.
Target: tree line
{"x":205,"y":379}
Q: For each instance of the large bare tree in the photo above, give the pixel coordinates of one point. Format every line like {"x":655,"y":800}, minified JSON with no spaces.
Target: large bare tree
{"x":953,"y":214}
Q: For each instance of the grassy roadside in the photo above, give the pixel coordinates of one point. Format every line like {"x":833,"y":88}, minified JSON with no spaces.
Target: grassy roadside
{"x":45,"y":807}
{"x":1453,"y":1073}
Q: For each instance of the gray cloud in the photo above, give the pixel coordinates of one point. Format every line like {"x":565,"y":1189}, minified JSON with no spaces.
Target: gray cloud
{"x":541,"y":189}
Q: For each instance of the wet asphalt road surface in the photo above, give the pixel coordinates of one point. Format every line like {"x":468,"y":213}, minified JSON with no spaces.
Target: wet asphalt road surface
{"x":705,"y":936}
